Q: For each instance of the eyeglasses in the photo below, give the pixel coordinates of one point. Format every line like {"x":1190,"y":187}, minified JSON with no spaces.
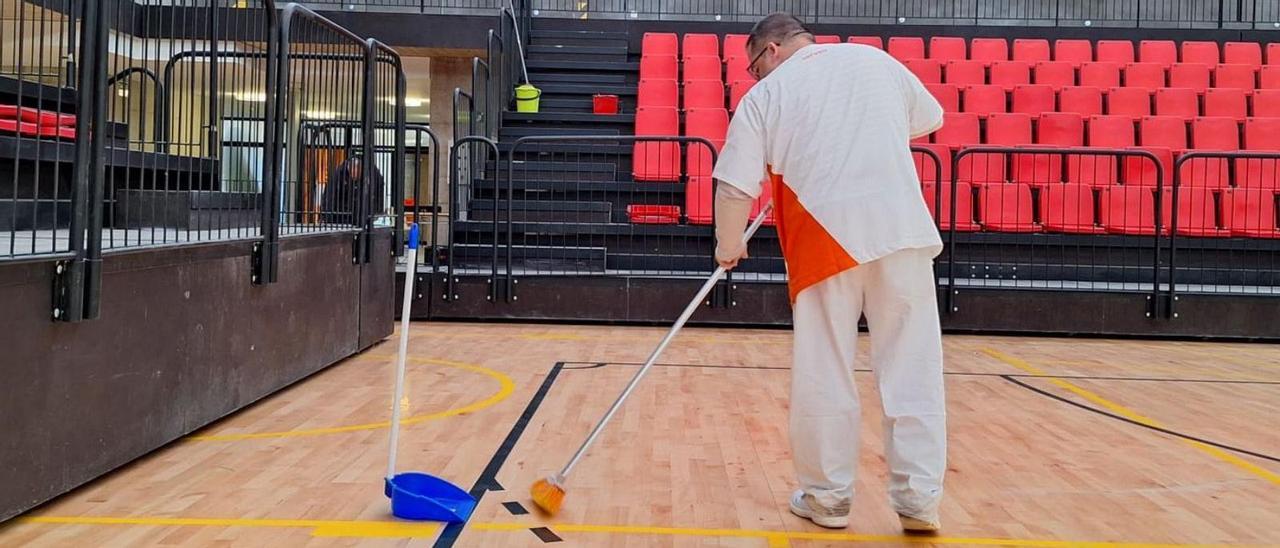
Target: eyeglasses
{"x":751,"y":68}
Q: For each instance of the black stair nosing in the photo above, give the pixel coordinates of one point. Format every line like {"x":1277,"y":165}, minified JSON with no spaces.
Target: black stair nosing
{"x":566,"y":251}
{"x":621,"y":187}
{"x":579,"y":150}
{"x":557,"y":88}
{"x":607,"y":229}
{"x":578,"y":34}
{"x":547,"y":165}
{"x":545,"y":205}
{"x":569,"y":117}
{"x":536,"y":49}
{"x":509,"y":132}
{"x":584,"y":78}
{"x":534,"y":65}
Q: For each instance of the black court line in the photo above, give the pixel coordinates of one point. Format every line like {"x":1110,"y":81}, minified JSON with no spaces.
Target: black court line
{"x":580,"y":366}
{"x":1165,"y":431}
{"x":488,"y":480}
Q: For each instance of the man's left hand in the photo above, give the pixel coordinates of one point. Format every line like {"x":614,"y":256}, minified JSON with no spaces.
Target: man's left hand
{"x":729,"y":258}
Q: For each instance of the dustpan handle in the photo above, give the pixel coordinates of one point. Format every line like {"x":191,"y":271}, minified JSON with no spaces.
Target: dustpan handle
{"x":653,"y":358}
{"x":410,"y":274}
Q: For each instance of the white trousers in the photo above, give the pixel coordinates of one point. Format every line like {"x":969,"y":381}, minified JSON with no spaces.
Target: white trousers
{"x":898,"y":296}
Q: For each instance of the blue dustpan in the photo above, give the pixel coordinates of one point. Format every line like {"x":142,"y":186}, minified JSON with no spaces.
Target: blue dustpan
{"x":415,"y":495}
{"x":419,"y":496}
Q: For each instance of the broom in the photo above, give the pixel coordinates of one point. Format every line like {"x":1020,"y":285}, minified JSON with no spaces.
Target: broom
{"x":548,"y":493}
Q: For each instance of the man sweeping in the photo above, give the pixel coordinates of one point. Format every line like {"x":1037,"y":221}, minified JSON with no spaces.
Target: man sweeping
{"x":828,"y":127}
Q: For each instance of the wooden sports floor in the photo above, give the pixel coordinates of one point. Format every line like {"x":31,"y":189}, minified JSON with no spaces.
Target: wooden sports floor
{"x":1053,"y":442}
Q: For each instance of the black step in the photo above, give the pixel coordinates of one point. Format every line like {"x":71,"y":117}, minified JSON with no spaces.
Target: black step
{"x":511,"y":132}
{"x":537,"y":257}
{"x":569,"y":117}
{"x":578,"y":53}
{"x":654,"y":261}
{"x":560,"y":65}
{"x":540,"y":78}
{"x":556,"y":88}
{"x":543,"y":35}
{"x":582,"y":104}
{"x":597,"y":187}
{"x":579,"y":150}
{"x":611,"y":229}
{"x":544,"y":211}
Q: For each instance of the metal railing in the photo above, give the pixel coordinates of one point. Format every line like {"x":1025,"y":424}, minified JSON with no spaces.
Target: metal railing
{"x":205,"y":123}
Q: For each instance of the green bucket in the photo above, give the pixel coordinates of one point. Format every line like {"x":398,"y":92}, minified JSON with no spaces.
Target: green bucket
{"x":527,"y":98}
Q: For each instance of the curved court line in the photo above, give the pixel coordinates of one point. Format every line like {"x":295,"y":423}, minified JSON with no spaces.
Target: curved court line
{"x":507,"y":386}
{"x":1136,"y":417}
{"x":400,"y":529}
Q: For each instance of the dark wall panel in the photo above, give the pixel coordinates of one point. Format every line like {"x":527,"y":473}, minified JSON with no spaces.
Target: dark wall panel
{"x":184,"y":339}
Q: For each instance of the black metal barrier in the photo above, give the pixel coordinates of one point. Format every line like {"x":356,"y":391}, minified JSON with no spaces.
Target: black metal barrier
{"x":1224,"y":235}
{"x":462,"y":169}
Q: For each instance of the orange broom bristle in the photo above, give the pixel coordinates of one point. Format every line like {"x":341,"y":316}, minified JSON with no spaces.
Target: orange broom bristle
{"x":548,"y":494}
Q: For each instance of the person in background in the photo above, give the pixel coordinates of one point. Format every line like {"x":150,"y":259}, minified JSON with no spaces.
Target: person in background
{"x":338,"y":203}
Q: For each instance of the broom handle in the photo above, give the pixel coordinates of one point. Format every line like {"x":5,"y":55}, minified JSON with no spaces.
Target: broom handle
{"x":653,"y":358}
{"x":411,"y":273}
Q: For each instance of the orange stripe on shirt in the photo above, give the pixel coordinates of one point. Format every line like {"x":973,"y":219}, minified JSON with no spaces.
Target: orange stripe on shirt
{"x":812,"y":255}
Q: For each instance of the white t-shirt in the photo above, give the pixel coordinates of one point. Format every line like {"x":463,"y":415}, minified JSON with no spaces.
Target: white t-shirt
{"x":835,"y":121}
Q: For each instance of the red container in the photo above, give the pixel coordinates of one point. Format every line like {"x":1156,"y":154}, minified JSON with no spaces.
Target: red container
{"x":653,"y":214}
{"x":604,"y":104}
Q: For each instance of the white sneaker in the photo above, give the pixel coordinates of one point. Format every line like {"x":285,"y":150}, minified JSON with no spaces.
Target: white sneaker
{"x":806,"y":507}
{"x":916,"y":525}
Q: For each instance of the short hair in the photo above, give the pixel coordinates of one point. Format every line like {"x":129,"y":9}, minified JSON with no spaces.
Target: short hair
{"x":776,"y":27}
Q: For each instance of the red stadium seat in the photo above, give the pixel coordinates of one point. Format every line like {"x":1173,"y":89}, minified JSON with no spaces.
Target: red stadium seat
{"x":989,"y":50}
{"x":702,"y":67}
{"x":711,"y":124}
{"x":1055,"y":129}
{"x":1144,"y":75}
{"x":1068,"y":209}
{"x":660,"y":43}
{"x":1007,"y":208}
{"x":1242,"y":53}
{"x":1033,"y":99}
{"x":1166,"y":138}
{"x":1180,"y":102}
{"x":1260,"y":134}
{"x":1211,"y":134}
{"x":1115,"y":51}
{"x":924,"y":164}
{"x":656,"y":161}
{"x":1104,"y":132}
{"x":658,"y":93}
{"x":927,"y":70}
{"x":698,"y":45}
{"x":903,"y":48}
{"x":1273,"y":53}
{"x":966,"y":73}
{"x":1129,"y":210}
{"x":958,"y":129}
{"x":1076,"y":52}
{"x":947,"y":48}
{"x":735,"y":69}
{"x":699,"y":196}
{"x":947,"y":95}
{"x":1197,"y":213}
{"x":964,"y":205}
{"x":1031,"y":50}
{"x":826,"y":39}
{"x":984,"y":100}
{"x":1008,"y":74}
{"x":1270,"y":76}
{"x":1100,"y":74}
{"x":735,"y":44}
{"x":1204,"y":53}
{"x":703,"y":94}
{"x":1236,"y":77}
{"x":659,"y":67}
{"x":873,"y":41}
{"x":1266,"y":103}
{"x":1132,"y":102}
{"x":1232,"y":103}
{"x":1250,"y":213}
{"x":1055,"y":73}
{"x":1084,"y":100}
{"x":1002,"y":130}
{"x":1190,"y":75}
{"x":1164,"y":52}
{"x":737,"y":90}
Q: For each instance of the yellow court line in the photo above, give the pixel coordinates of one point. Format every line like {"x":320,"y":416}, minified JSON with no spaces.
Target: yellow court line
{"x":507,"y":386}
{"x":401,"y":529}
{"x":1134,"y":416}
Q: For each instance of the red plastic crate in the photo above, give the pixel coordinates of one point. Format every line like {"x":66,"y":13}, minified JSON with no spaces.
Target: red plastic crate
{"x":653,"y":214}
{"x":604,"y":104}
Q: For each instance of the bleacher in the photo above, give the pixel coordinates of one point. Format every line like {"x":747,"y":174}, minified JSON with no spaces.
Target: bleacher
{"x":1158,"y":96}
